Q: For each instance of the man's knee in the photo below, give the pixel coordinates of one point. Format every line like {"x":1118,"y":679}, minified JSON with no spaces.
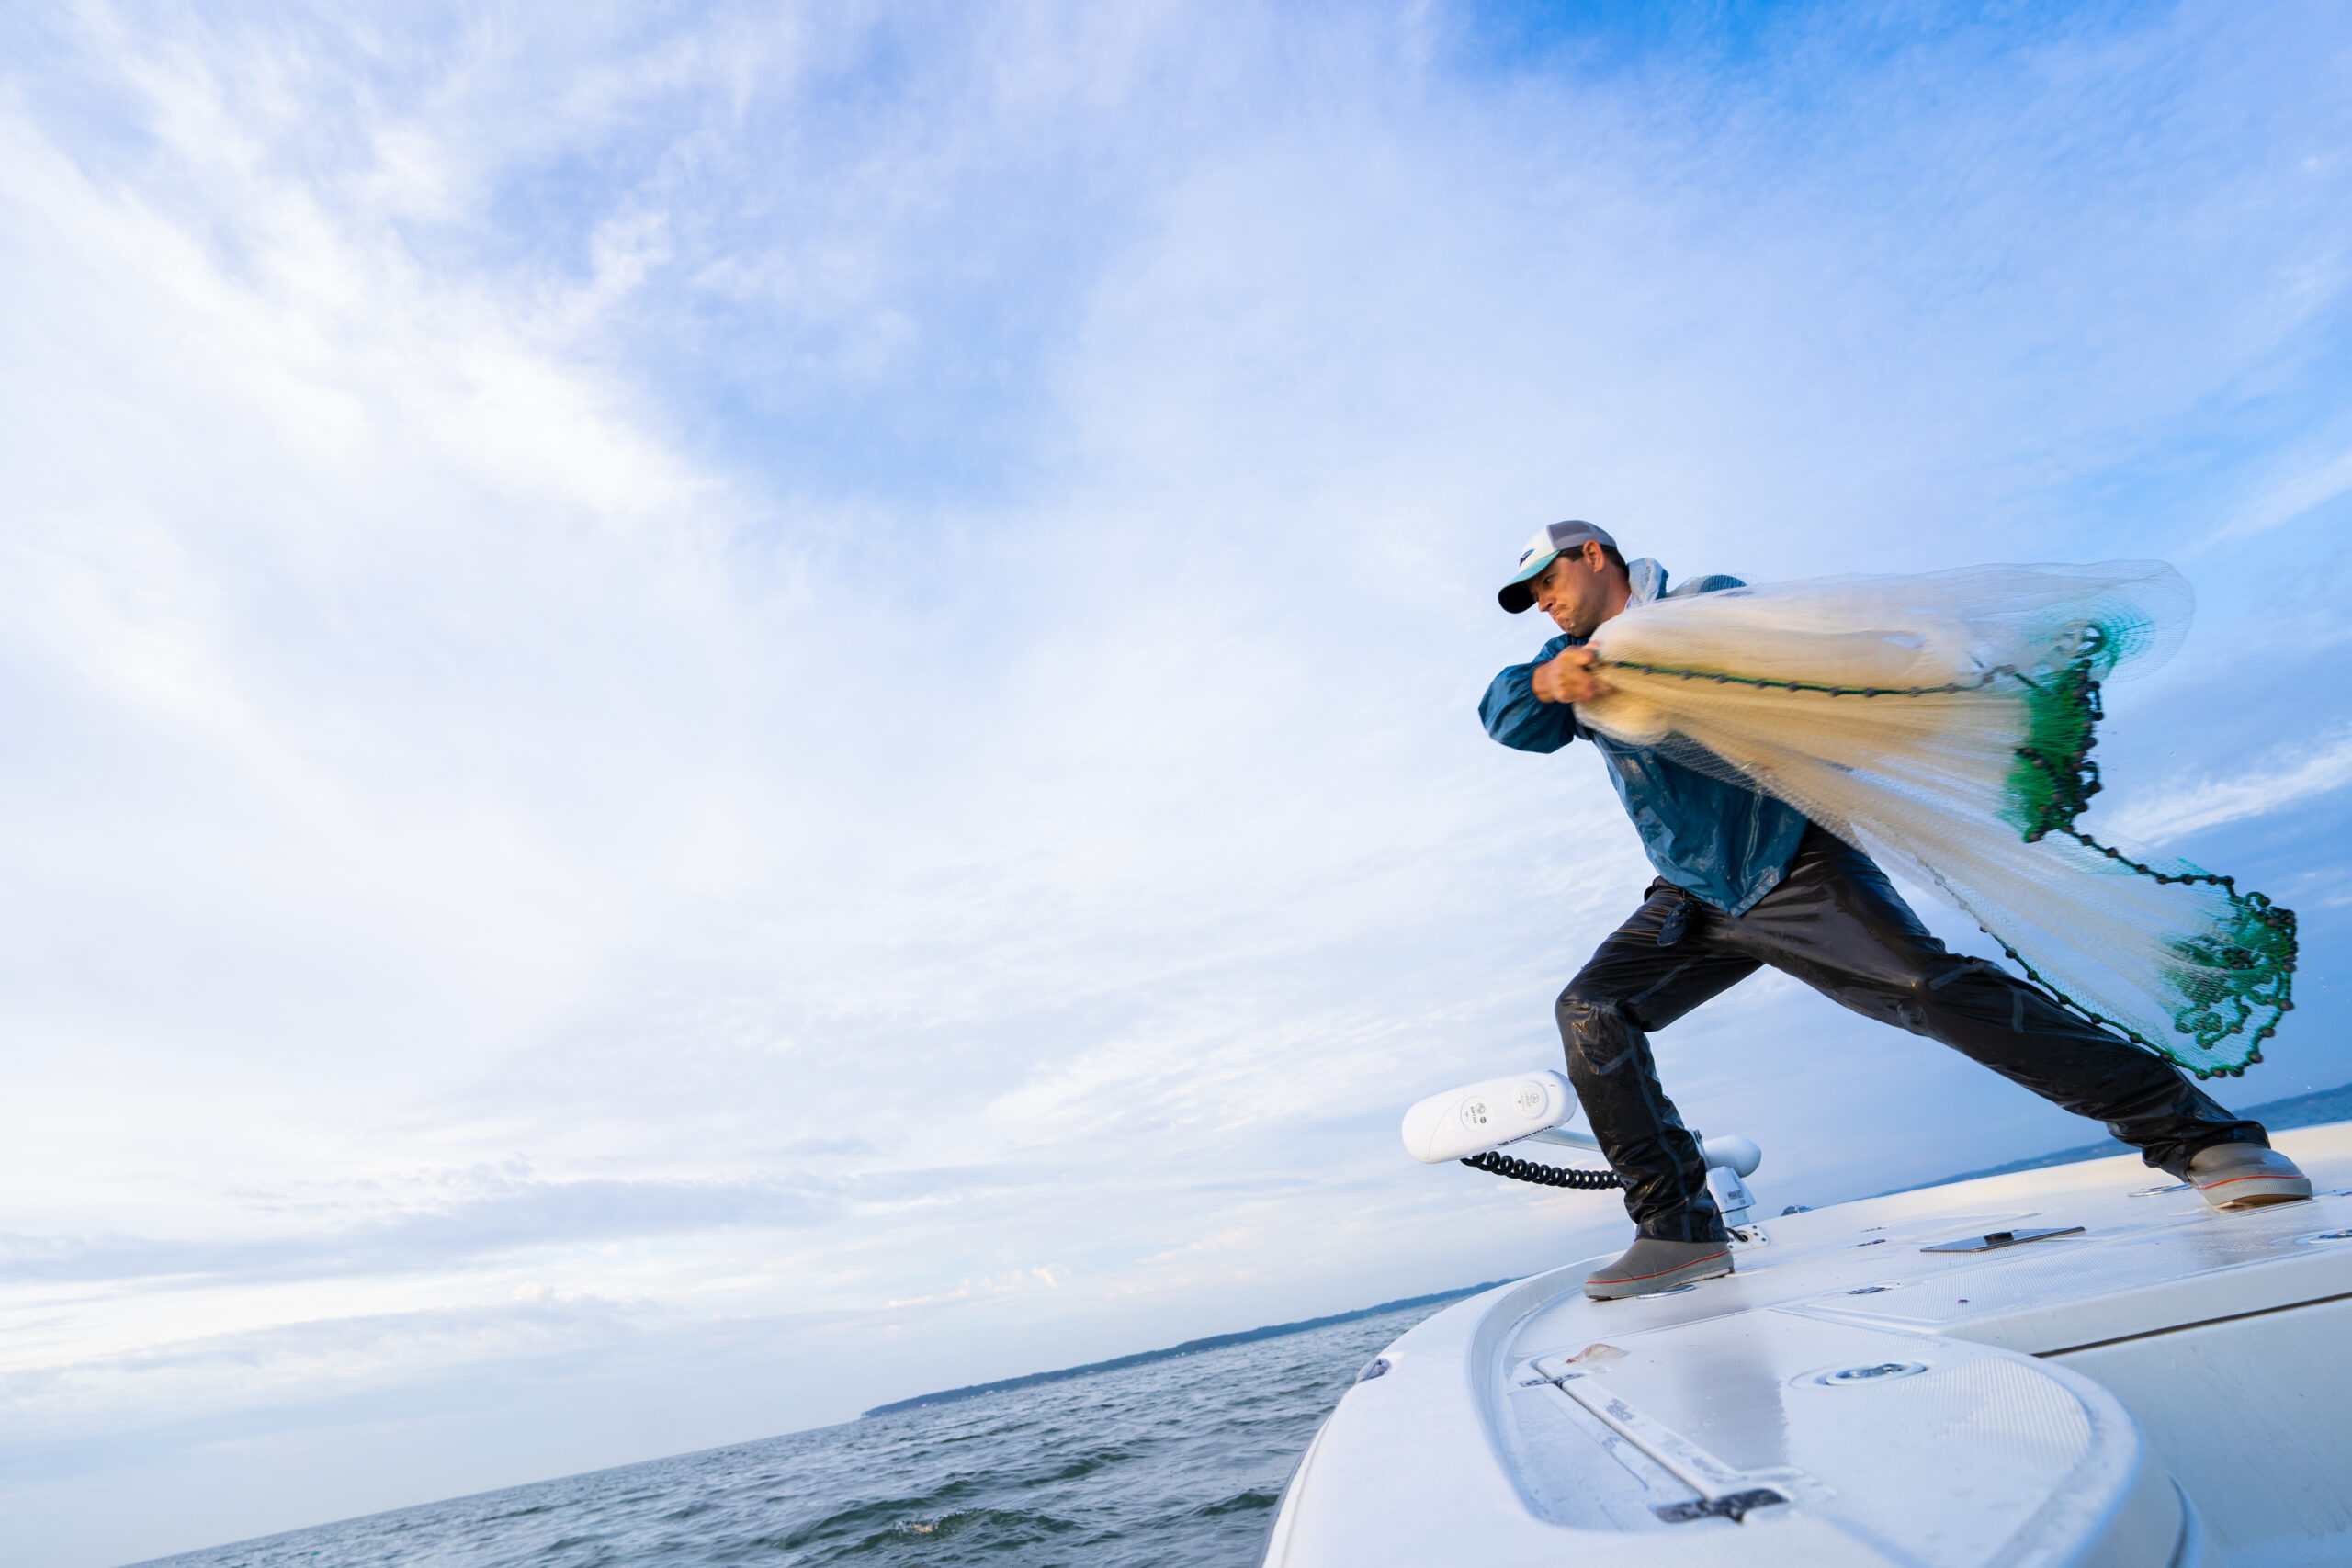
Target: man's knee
{"x":1593,"y":1027}
{"x":1580,"y":1009}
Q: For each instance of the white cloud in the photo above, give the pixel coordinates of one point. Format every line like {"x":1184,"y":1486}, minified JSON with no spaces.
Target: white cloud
{"x":2284,"y":778}
{"x":2303,"y":491}
{"x":800,"y":737}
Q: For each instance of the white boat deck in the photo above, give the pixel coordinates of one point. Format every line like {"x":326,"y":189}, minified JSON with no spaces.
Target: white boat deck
{"x":2168,"y":1386}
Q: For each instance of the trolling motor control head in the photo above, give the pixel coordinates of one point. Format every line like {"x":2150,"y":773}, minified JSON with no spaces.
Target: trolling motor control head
{"x":1470,"y":1121}
{"x":1462,"y":1121}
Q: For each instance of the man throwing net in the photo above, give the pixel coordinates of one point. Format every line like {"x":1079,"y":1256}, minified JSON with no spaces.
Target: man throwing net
{"x":1759,"y":737}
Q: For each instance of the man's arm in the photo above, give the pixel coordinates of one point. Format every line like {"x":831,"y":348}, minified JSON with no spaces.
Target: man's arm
{"x":1515,"y":716}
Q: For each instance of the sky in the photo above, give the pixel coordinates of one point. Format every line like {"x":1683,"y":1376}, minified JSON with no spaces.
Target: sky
{"x":720,"y":711}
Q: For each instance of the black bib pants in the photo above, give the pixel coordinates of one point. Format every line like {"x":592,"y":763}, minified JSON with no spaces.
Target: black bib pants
{"x":1837,"y":924}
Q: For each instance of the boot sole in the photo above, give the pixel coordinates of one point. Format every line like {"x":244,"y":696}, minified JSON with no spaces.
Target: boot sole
{"x":1659,"y":1284}
{"x":2256,"y":1192}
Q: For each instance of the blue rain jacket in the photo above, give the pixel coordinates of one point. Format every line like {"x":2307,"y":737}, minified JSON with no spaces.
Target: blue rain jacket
{"x":1727,"y":845}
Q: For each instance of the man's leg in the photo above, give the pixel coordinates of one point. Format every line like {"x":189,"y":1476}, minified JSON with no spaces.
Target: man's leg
{"x":1632,"y":985}
{"x":1837,"y":924}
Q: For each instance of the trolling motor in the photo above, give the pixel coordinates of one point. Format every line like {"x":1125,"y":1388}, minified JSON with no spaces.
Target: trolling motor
{"x":1473,"y":1123}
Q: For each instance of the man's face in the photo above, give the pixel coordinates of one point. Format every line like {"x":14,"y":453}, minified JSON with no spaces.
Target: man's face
{"x":1573,"y":589}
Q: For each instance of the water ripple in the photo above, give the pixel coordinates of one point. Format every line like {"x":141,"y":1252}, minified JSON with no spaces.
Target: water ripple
{"x":1172,"y":1464}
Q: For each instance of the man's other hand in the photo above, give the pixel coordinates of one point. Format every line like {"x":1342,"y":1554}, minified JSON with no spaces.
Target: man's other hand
{"x":1569,"y":678}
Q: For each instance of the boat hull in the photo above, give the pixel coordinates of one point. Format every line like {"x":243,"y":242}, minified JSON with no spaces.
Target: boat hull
{"x":2157,"y":1388}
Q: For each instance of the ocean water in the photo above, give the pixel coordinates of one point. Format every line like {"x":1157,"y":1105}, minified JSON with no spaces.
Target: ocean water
{"x":1174,"y":1464}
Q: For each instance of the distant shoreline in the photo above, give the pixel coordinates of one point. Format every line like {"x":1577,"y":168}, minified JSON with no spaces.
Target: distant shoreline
{"x":1190,"y":1348}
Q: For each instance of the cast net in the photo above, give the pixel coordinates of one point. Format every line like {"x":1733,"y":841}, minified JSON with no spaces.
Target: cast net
{"x":1944,"y":723}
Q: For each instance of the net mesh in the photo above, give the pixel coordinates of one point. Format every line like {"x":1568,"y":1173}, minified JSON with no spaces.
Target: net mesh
{"x":1944,"y":722}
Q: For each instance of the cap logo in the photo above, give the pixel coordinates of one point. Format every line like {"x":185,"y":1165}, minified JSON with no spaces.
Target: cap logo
{"x":1524,"y":554}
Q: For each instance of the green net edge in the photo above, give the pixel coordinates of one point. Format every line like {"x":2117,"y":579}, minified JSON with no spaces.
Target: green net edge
{"x":2244,"y":967}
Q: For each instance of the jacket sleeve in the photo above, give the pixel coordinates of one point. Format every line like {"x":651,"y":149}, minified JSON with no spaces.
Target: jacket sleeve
{"x":1514,"y":717}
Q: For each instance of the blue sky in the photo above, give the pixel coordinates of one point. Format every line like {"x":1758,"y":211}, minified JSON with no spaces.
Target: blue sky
{"x":720,"y":714}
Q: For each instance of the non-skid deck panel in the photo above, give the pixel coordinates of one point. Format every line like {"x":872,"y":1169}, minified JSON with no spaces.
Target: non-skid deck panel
{"x":2244,"y":1410}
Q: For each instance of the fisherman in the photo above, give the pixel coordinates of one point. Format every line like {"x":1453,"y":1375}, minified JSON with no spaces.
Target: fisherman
{"x":1745,"y":880}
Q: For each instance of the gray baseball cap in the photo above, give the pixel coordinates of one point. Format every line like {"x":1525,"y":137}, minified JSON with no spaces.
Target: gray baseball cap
{"x":1541,"y":552}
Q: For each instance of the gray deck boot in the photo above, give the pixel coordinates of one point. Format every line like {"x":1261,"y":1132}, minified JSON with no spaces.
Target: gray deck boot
{"x":1650,"y":1266}
{"x":2246,"y":1176}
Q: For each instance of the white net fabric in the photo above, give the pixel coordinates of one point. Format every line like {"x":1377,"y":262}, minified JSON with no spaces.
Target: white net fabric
{"x":1943,"y":722}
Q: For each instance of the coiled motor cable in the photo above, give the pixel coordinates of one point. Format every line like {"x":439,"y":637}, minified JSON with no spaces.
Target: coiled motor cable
{"x":1544,"y":1175}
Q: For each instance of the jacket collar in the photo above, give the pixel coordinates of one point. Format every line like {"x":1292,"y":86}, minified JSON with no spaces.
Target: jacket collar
{"x":1647,"y":580}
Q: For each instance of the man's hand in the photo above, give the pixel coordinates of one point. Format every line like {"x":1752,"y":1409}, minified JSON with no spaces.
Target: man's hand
{"x":1569,"y":678}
